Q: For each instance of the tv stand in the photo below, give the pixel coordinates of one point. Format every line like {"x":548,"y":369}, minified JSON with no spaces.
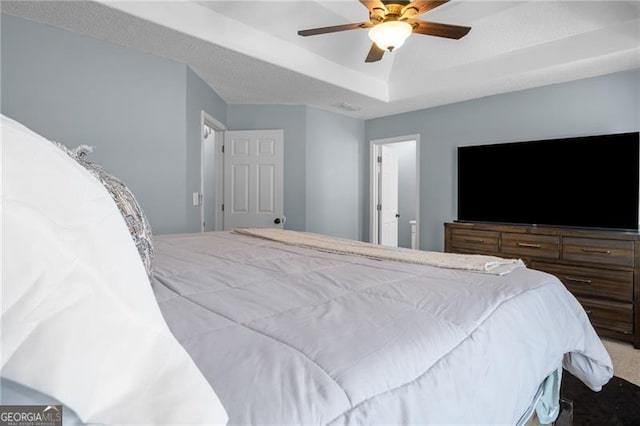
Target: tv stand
{"x":600,"y":267}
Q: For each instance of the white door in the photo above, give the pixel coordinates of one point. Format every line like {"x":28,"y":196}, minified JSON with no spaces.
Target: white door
{"x":253,"y":179}
{"x":388,"y":193}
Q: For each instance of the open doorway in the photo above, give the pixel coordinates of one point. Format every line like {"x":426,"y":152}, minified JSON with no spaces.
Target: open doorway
{"x":212,"y":136}
{"x":394,"y":189}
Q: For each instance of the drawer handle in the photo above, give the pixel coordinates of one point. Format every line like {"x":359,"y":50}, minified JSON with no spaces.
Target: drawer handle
{"x":529,"y":245}
{"x":577,"y":280}
{"x":589,"y":312}
{"x":600,"y":251}
{"x":474,"y":240}
{"x":627,"y":333}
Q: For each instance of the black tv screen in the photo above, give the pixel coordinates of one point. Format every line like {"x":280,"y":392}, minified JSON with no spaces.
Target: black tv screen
{"x":587,"y":182}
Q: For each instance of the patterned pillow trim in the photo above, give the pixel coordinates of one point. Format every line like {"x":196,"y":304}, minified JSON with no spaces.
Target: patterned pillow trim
{"x":134,"y":217}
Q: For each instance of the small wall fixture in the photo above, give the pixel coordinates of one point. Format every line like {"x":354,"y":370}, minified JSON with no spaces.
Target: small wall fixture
{"x":390,"y":35}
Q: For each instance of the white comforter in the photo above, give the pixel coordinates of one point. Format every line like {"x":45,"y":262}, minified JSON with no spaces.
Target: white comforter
{"x":289,"y":335}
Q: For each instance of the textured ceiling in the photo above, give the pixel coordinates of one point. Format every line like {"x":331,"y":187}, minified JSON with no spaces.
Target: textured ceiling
{"x":249,"y":51}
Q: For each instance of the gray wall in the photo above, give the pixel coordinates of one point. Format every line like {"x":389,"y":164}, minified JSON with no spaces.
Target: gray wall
{"x":292,"y":119}
{"x":127,"y":104}
{"x":605,"y":104}
{"x":200,"y":97}
{"x":140,"y":112}
{"x":335,"y":144}
{"x":322,"y":174}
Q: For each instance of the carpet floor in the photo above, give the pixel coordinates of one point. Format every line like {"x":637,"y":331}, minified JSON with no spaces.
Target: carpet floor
{"x":617,"y":404}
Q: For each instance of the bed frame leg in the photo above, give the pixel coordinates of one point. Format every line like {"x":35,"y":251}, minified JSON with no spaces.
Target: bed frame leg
{"x":565,"y":418}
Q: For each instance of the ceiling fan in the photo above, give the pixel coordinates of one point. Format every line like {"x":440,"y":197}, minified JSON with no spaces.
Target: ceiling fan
{"x":391,"y":22}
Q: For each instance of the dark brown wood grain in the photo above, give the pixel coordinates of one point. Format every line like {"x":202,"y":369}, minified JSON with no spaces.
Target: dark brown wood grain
{"x":334,"y":28}
{"x":592,"y":282}
{"x":422,"y":6}
{"x":438,"y":29}
{"x":375,"y":53}
{"x":636,"y":296}
{"x":613,"y":316}
{"x":598,"y":250}
{"x":600,"y":267}
{"x":472,"y":240}
{"x":529,"y":245}
{"x":373,"y":4}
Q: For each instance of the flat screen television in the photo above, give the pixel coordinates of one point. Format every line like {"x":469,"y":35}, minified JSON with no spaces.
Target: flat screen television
{"x":586,"y":182}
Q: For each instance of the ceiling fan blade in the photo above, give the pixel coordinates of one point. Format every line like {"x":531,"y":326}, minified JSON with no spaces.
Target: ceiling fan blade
{"x":419,"y":7}
{"x":335,"y":28}
{"x":439,"y":30}
{"x":374,"y":4}
{"x":375,"y":53}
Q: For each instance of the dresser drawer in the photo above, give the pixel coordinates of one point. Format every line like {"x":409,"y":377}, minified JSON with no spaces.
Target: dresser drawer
{"x":606,"y":252}
{"x":592,"y":282}
{"x":470,"y":240}
{"x":541,"y":246}
{"x":614,"y":316}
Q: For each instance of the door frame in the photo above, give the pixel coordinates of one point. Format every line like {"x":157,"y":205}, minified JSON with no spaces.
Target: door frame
{"x":374,"y":184}
{"x":218,"y":129}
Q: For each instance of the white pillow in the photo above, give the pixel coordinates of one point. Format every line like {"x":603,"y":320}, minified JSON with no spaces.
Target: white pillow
{"x":79,"y":319}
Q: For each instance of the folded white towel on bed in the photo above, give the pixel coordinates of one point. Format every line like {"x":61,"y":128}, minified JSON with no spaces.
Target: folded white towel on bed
{"x":470,"y":262}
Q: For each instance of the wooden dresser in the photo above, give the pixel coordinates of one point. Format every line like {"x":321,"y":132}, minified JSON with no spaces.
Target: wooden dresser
{"x":601,"y":268}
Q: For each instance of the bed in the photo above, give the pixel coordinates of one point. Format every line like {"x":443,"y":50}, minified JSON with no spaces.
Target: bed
{"x":291,"y":334}
{"x":243,"y":327}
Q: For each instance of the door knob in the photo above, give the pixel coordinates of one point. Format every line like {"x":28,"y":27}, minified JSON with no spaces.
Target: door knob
{"x":397,"y":215}
{"x":277,"y":221}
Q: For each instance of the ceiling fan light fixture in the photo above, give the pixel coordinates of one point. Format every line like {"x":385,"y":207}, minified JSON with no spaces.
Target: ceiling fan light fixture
{"x":390,"y":35}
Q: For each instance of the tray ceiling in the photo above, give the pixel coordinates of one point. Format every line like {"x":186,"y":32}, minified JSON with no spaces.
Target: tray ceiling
{"x":249,"y":51}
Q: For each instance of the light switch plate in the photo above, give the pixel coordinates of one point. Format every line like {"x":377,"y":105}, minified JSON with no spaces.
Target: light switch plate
{"x":196,"y":198}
